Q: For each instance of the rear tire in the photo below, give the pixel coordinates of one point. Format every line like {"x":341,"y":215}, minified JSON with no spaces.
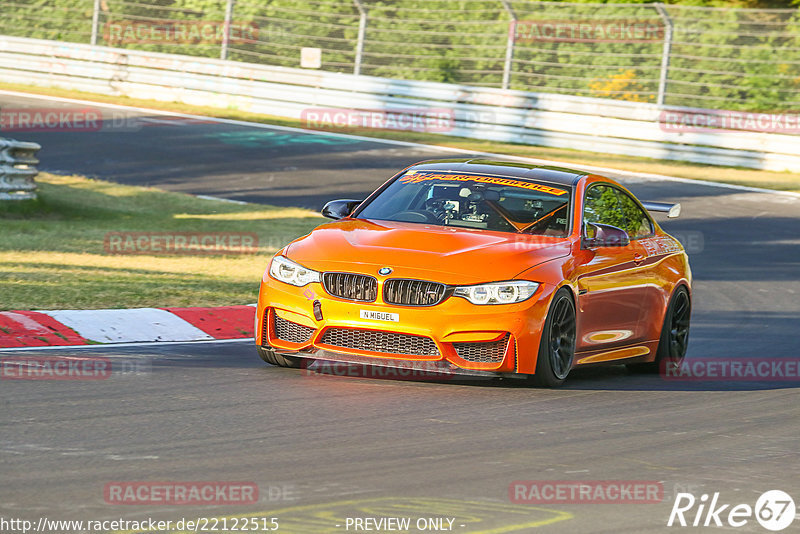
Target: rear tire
{"x":674,"y":338}
{"x":557,"y":346}
{"x":271,"y":357}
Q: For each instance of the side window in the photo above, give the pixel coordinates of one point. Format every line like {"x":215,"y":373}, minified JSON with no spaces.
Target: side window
{"x":602,"y":206}
{"x":637,"y":223}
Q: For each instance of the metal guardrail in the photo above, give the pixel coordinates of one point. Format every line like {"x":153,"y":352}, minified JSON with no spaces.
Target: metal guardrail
{"x":673,"y":54}
{"x":563,"y":121}
{"x":18,"y":169}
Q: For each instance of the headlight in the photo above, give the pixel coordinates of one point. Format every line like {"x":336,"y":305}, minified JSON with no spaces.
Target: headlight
{"x":498,"y":292}
{"x":285,"y":270}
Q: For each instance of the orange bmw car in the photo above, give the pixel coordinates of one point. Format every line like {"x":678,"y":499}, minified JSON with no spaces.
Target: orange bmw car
{"x":481,"y":267}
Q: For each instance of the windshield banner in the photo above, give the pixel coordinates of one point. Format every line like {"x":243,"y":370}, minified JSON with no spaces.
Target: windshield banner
{"x":414,"y":177}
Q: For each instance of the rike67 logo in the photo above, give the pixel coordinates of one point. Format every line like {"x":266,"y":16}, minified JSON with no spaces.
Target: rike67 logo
{"x":774,"y":510}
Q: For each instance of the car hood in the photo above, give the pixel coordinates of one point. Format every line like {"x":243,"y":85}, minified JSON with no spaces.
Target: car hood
{"x":445,"y":254}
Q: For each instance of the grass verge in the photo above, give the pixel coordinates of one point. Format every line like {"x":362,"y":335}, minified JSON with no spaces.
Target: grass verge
{"x":782,"y":181}
{"x":53,"y":254}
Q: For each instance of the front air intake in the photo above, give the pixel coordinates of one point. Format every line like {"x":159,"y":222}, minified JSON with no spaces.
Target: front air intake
{"x":483,"y":352}
{"x":379,"y":341}
{"x":290,"y":331}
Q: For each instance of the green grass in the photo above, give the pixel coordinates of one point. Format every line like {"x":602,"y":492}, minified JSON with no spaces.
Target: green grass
{"x":52,"y":254}
{"x":782,"y":181}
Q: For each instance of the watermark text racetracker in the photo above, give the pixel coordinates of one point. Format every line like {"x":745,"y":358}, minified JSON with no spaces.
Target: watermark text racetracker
{"x":733,"y":370}
{"x":70,"y":367}
{"x":408,"y":119}
{"x":67,"y":119}
{"x":186,"y":243}
{"x":388,"y":369}
{"x":587,"y":31}
{"x":586,"y":491}
{"x":179,"y":32}
{"x":696,"y":121}
{"x":181,"y":493}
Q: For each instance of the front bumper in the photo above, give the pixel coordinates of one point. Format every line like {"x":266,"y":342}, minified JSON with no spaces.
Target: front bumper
{"x":454,"y":335}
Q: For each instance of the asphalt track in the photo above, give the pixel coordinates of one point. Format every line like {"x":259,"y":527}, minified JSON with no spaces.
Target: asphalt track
{"x":239,"y":162}
{"x":327,"y":447}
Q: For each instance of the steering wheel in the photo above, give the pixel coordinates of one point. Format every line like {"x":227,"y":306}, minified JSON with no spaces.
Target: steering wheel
{"x":434,"y":205}
{"x":437,"y":207}
{"x":418,"y":216}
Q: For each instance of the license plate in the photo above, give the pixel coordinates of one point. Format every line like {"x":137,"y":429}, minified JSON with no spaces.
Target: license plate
{"x":380,"y":316}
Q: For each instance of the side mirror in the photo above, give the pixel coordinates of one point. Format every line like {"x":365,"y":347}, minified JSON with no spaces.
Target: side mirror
{"x":606,"y":235}
{"x":339,"y":209}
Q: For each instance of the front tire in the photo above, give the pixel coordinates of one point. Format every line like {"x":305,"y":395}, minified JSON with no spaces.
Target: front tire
{"x":557,"y":346}
{"x":271,"y":357}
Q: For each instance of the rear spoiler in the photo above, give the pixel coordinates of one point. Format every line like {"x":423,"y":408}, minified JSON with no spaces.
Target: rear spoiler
{"x":672,"y":210}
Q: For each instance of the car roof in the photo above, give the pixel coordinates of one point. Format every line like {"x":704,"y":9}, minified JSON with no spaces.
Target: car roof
{"x":525,"y":171}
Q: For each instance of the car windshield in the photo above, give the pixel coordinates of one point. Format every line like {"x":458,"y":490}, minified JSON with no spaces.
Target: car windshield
{"x":498,"y":203}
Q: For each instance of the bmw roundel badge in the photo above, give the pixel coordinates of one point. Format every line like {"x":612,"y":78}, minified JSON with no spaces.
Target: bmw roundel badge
{"x":383,"y":271}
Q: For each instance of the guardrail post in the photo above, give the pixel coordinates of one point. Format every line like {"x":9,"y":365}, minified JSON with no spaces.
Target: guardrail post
{"x":512,"y":30}
{"x":18,"y":169}
{"x":95,"y":21}
{"x":226,"y":36}
{"x":665,"y":53}
{"x":362,"y":31}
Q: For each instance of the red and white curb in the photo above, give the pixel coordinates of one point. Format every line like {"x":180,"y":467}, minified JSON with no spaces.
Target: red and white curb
{"x":138,"y":325}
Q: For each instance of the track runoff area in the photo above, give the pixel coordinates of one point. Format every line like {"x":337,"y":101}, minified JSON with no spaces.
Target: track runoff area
{"x":201,"y":435}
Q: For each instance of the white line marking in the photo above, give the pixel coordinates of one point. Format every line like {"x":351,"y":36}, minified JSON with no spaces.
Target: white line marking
{"x":220,"y":199}
{"x":590,"y":168}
